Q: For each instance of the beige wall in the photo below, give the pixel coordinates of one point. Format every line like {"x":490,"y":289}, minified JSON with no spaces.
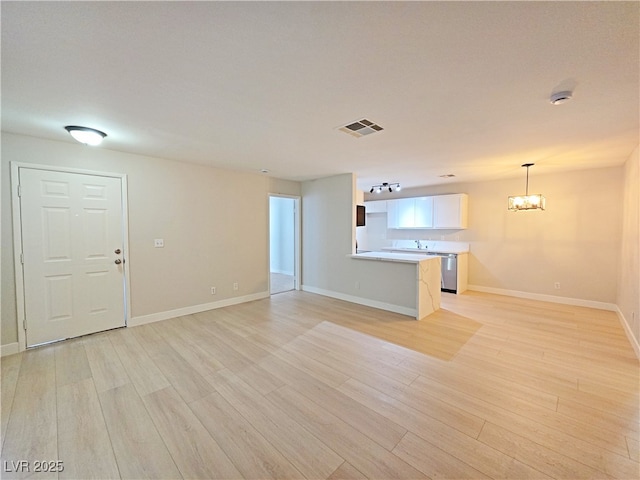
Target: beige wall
{"x":575,"y":241}
{"x":277,"y":186}
{"x":328,"y":231}
{"x":214,"y":224}
{"x":629,"y":279}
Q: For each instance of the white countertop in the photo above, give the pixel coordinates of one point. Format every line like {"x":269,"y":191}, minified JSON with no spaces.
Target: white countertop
{"x":435,"y":246}
{"x":393,"y":257}
{"x":422,"y":251}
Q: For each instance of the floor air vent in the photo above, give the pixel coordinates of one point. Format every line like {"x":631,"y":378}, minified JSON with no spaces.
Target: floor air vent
{"x":361,"y":128}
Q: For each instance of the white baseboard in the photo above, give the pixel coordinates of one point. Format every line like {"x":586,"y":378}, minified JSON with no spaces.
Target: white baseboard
{"x":411,"y":312}
{"x":9,"y":349}
{"x":627,"y":329}
{"x":578,"y":302}
{"x":157,"y":317}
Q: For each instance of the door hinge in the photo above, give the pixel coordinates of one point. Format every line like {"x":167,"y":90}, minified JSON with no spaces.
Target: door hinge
{"x":22,"y":258}
{"x":19,"y":190}
{"x":24,"y":324}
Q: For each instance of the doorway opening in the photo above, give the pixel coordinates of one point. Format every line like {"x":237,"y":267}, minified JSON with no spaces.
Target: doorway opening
{"x":284,"y":244}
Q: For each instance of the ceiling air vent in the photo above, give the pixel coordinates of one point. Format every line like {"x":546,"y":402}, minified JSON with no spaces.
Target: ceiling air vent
{"x":361,"y":128}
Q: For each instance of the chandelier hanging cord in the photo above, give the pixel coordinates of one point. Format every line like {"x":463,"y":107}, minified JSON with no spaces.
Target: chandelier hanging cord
{"x":527,"y":187}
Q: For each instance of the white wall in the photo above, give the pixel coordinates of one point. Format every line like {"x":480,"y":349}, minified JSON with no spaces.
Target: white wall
{"x":214,"y":224}
{"x":628,"y":299}
{"x":282,"y":235}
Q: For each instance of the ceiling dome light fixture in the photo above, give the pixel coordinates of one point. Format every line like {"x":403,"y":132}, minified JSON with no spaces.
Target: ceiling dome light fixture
{"x":88,"y":136}
{"x":559,"y":98}
{"x":526,"y":201}
{"x":390,"y":186}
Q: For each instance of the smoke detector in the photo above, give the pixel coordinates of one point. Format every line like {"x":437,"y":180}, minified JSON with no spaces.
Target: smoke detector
{"x":559,"y":98}
{"x":361,"y":128}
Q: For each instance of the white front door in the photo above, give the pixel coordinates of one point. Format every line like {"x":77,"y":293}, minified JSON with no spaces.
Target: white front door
{"x":73,"y":254}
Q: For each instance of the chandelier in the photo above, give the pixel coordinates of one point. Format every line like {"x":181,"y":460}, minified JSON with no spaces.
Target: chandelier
{"x":526,"y":201}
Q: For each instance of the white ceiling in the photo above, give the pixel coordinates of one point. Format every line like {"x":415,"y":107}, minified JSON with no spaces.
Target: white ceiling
{"x":459,"y":87}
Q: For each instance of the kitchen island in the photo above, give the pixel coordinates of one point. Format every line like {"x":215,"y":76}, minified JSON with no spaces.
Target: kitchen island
{"x":410,"y":282}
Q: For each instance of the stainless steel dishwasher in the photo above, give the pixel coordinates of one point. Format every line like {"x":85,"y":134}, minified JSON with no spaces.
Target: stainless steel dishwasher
{"x":449,"y":275}
{"x":449,"y":272}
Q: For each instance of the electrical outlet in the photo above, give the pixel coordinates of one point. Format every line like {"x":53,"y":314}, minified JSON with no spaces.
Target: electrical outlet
{"x":213,"y":290}
{"x":556,"y":285}
{"x":158,"y":243}
{"x":235,"y":286}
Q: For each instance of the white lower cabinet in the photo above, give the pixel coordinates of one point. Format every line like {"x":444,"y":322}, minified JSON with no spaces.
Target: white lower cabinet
{"x":463,"y":273}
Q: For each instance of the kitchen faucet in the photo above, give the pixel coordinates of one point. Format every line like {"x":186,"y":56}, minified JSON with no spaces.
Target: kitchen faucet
{"x":418,"y":243}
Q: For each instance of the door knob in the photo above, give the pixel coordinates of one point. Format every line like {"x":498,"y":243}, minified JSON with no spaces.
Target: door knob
{"x":117,"y":251}
{"x":118,"y":261}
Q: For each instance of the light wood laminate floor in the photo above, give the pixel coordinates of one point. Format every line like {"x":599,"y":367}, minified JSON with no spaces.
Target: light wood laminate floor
{"x":304,"y":386}
{"x":281,"y":282}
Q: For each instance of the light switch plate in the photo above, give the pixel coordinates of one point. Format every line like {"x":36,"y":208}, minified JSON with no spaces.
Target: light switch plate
{"x":158,"y":243}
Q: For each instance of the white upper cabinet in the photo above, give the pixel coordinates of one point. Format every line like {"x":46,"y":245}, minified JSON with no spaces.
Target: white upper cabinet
{"x":441,"y":211}
{"x":410,"y":213}
{"x":376,"y":206}
{"x":423,"y":214}
{"x":400,"y":213}
{"x":450,"y":211}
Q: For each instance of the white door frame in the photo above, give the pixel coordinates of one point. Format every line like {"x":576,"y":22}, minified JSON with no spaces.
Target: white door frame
{"x":297,"y":242}
{"x":17,"y":238}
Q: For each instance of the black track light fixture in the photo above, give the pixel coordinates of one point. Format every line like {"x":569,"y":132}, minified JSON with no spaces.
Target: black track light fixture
{"x":386,"y":186}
